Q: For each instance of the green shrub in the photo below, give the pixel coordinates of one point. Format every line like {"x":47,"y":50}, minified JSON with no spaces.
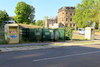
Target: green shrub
{"x":68,"y":32}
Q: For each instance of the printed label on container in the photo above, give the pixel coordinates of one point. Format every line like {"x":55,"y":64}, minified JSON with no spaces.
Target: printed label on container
{"x":13,"y":36}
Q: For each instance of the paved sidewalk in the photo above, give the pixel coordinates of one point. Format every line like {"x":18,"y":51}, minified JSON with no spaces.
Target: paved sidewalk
{"x":76,"y":43}
{"x":24,"y":44}
{"x":31,"y":46}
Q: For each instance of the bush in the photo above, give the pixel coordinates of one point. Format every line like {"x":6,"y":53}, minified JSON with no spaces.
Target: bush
{"x":68,"y":33}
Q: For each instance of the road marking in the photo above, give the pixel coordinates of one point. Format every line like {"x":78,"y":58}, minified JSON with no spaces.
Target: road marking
{"x":65,"y":56}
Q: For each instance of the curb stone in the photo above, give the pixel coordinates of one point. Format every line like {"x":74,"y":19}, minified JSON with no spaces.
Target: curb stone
{"x":53,"y":45}
{"x":26,"y":48}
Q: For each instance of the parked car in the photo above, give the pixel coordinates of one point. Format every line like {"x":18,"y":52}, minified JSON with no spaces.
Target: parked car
{"x":9,"y":22}
{"x":81,"y":31}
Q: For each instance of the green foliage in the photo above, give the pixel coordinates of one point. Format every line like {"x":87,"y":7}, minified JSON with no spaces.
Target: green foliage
{"x":46,"y":17}
{"x":40,"y":23}
{"x":3,"y":16}
{"x":32,"y":14}
{"x":68,"y":32}
{"x":24,"y":13}
{"x":86,"y":11}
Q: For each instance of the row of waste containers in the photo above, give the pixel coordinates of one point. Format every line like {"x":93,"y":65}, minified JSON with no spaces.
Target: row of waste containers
{"x":2,"y":38}
{"x":15,"y":34}
{"x":34,"y":35}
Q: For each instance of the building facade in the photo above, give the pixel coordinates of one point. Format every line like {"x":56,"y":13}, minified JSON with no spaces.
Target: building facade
{"x":51,"y":23}
{"x":65,"y":15}
{"x":64,"y":19}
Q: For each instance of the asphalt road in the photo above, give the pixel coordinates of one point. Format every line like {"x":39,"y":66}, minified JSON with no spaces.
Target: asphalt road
{"x":74,"y":56}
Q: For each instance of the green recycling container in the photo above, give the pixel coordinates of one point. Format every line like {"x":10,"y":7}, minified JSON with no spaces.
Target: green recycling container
{"x":25,"y":34}
{"x":46,"y":35}
{"x":38,"y":34}
{"x":32,"y":36}
{"x":61,"y":34}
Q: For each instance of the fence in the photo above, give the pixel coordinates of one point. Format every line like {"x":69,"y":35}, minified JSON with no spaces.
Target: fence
{"x":33,"y":35}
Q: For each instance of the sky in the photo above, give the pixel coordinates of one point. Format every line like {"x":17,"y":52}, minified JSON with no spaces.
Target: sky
{"x":42,"y":7}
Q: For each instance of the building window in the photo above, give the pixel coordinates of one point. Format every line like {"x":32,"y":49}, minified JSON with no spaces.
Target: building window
{"x":66,"y":25}
{"x":70,"y":19}
{"x":73,"y":24}
{"x":66,"y":19}
{"x":71,"y":14}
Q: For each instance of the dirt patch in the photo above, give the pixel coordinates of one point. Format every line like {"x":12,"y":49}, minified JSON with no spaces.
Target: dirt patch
{"x":97,"y":33}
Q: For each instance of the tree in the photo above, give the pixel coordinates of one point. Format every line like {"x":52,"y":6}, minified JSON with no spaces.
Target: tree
{"x":3,"y":16}
{"x":31,"y":16}
{"x":99,"y":14}
{"x":86,"y":11}
{"x":40,"y":23}
{"x":24,"y":13}
{"x":46,"y":17}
